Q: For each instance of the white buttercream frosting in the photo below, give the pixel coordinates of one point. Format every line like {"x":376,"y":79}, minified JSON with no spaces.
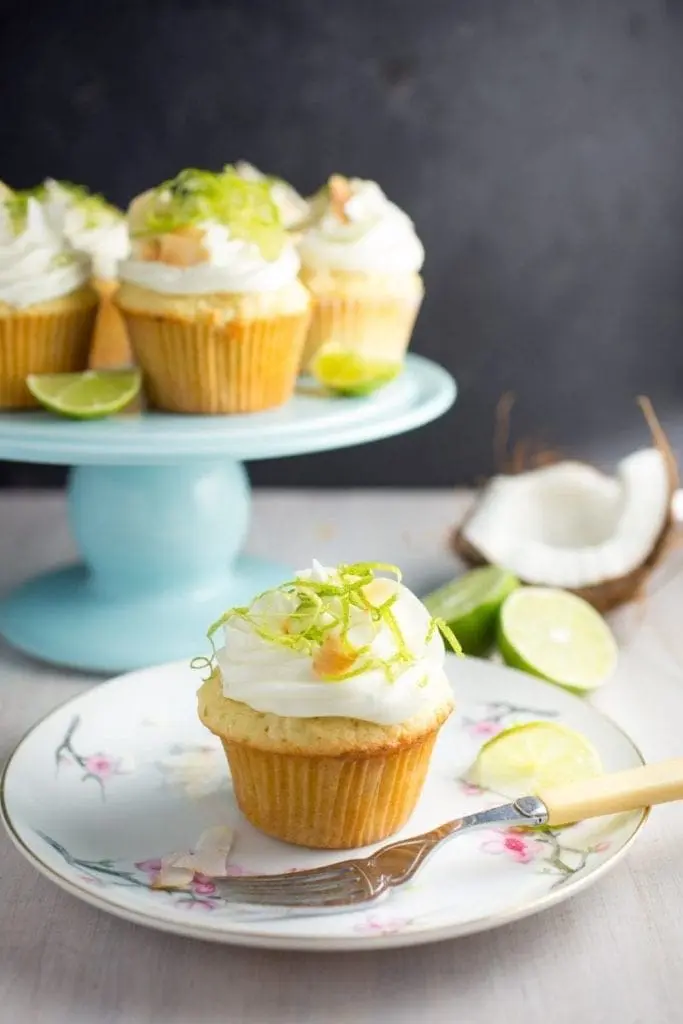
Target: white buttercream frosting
{"x":92,"y":227}
{"x":273,"y":678}
{"x":293,"y":207}
{"x":368,"y":234}
{"x":231,"y":265}
{"x":37,"y":263}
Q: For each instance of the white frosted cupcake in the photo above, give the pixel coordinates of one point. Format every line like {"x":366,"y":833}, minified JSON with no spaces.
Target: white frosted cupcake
{"x":47,"y":308}
{"x":293,"y":208}
{"x":95,"y":227}
{"x":327,"y":694}
{"x":361,"y":260}
{"x":216,"y":313}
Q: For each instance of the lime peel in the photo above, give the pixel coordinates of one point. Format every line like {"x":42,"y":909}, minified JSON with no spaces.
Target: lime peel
{"x":350,"y":373}
{"x":557,"y":636}
{"x":90,"y":395}
{"x":526,"y":758}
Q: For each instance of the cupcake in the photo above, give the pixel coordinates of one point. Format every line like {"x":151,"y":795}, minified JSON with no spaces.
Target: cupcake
{"x":216,"y":314}
{"x":47,"y":308}
{"x":360,"y":260}
{"x":293,"y":208}
{"x":327,"y":694}
{"x":97,"y":228}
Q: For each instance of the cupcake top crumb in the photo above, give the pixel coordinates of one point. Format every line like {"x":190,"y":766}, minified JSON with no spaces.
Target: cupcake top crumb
{"x":334,"y":642}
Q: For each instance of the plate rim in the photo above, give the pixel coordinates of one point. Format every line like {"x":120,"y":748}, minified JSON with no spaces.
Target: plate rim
{"x":266,"y":940}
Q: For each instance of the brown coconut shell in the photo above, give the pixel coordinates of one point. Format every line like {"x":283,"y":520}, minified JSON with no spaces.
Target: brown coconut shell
{"x":612,"y":593}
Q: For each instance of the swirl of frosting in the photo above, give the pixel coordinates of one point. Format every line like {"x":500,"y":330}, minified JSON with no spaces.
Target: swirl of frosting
{"x":224,"y":264}
{"x":204,"y":232}
{"x":381,"y":668}
{"x":37,"y":263}
{"x":90,"y":224}
{"x":293,"y":208}
{"x":354,"y":227}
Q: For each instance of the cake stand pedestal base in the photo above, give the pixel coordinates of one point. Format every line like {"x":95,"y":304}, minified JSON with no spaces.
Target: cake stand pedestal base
{"x":160,"y":548}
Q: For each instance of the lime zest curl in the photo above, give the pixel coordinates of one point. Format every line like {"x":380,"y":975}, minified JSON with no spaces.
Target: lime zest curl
{"x":320,"y":620}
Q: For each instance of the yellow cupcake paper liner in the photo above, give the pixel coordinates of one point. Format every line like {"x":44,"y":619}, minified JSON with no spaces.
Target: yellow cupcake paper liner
{"x":110,"y":348}
{"x":50,"y":342}
{"x":205,"y":367}
{"x":330,"y":803}
{"x":380,"y":327}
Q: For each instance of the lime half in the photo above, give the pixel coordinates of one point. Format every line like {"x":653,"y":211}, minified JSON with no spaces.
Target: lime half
{"x":351,"y":373}
{"x":525,"y":759}
{"x":85,"y":396}
{"x":557,"y":636}
{"x":470,"y":606}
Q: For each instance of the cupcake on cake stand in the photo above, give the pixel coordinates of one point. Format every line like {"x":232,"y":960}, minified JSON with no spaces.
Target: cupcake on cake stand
{"x":159,"y":509}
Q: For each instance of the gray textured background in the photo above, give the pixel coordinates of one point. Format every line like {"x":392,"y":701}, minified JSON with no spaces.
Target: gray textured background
{"x":538,"y":145}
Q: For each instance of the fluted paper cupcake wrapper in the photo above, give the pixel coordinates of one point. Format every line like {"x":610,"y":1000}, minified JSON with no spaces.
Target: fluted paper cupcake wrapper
{"x":202,"y":367}
{"x":380,"y":328}
{"x":41,"y":343}
{"x":329,"y":802}
{"x":110,"y":347}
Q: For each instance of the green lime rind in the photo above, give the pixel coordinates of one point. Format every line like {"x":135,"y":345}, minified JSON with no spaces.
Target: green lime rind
{"x":470,"y":606}
{"x":352,"y":374}
{"x":529,"y":757}
{"x":91,"y":395}
{"x":196,"y":197}
{"x":556,"y":636}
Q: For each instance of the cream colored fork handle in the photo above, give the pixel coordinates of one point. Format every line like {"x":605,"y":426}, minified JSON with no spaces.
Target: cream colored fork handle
{"x":619,"y":791}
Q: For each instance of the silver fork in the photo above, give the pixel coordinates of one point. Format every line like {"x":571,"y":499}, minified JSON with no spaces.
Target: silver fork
{"x":363,"y":879}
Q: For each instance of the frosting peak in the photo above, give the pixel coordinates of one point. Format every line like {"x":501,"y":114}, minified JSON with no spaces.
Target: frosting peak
{"x":90,"y":224}
{"x":340,"y":642}
{"x":354,"y":227}
{"x":37,"y":263}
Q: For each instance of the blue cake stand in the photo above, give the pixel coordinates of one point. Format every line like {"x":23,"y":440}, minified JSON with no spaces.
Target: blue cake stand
{"x":159,"y":508}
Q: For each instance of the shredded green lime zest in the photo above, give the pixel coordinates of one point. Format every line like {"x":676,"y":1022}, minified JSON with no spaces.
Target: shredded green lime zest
{"x":195,"y":196}
{"x":15,"y":202}
{"x":323,"y":611}
{"x":448,"y":634}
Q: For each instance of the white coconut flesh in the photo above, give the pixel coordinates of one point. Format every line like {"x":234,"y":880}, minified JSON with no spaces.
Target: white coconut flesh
{"x":569,"y":525}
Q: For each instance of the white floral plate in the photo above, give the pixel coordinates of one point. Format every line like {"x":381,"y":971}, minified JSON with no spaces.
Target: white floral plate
{"x":103,"y":787}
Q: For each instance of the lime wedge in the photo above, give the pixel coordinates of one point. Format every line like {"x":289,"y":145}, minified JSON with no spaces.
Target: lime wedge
{"x":525,"y":759}
{"x":557,"y":636}
{"x":350,"y":373}
{"x":85,"y":396}
{"x":470,"y":606}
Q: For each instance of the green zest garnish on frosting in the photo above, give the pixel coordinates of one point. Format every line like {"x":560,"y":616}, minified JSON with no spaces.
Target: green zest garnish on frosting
{"x":322,"y":617}
{"x":15,"y":202}
{"x":195,"y":197}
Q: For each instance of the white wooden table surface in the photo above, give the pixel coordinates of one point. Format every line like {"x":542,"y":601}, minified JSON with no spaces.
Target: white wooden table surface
{"x":614,"y":954}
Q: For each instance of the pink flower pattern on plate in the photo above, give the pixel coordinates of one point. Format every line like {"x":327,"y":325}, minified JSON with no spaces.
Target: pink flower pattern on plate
{"x":99,"y":767}
{"x":522,"y":848}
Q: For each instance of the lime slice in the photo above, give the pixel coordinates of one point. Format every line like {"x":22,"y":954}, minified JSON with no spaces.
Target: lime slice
{"x":557,"y":636}
{"x":85,"y":396}
{"x":351,"y":373}
{"x":525,"y":759}
{"x":470,"y":605}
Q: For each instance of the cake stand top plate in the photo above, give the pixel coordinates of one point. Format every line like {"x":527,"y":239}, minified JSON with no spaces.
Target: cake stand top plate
{"x":310,"y":422}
